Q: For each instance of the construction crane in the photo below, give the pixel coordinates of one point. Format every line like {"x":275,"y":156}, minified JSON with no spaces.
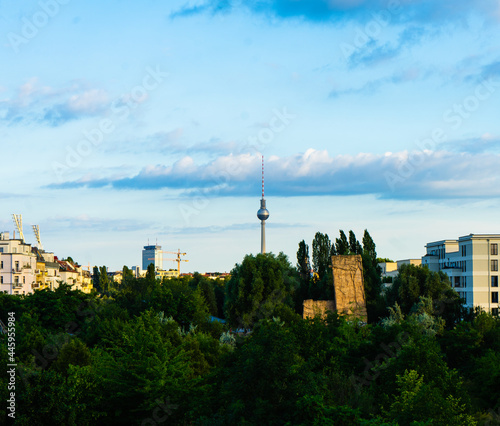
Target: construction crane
{"x":177,"y":259}
{"x":18,"y":220}
{"x":36,"y":230}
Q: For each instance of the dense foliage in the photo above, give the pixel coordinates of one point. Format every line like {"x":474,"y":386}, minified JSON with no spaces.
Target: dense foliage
{"x":148,"y":352}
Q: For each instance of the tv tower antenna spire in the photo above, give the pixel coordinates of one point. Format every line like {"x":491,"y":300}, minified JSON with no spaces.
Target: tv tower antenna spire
{"x":263,"y":215}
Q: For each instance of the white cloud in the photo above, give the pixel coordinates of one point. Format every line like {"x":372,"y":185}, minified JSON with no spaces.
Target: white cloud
{"x":400,"y":175}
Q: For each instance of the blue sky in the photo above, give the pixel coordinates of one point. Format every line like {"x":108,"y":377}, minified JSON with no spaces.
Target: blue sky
{"x":128,"y":122}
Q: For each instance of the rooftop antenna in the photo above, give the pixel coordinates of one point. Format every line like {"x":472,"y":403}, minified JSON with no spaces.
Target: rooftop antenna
{"x":36,"y":230}
{"x":18,"y":220}
{"x":263,"y":215}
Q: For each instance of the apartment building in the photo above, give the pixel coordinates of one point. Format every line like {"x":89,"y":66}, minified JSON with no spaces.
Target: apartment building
{"x":471,"y":262}
{"x":17,"y":266}
{"x":73,"y":274}
{"x":24,"y":268}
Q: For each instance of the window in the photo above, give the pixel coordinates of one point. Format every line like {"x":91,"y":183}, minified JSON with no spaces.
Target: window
{"x":1,"y":280}
{"x":494,"y":312}
{"x":494,"y":249}
{"x":494,"y":297}
{"x":494,"y":265}
{"x":24,"y":280}
{"x":1,"y":264}
{"x":464,"y":250}
{"x":16,"y":280}
{"x":494,"y":280}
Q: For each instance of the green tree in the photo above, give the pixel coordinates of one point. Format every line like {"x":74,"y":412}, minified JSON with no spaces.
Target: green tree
{"x":303,"y":263}
{"x":144,"y":364}
{"x":412,"y":282}
{"x":341,"y":244}
{"x":354,"y":246}
{"x":257,"y":287}
{"x":127,"y":275}
{"x":151,"y":273}
{"x":321,"y":247}
{"x":74,"y":352}
{"x":419,"y":401}
{"x":104,"y":283}
{"x":369,"y":246}
{"x":96,"y":279}
{"x":207,"y":289}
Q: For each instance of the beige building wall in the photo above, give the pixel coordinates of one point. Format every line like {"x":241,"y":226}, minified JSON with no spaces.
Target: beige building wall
{"x":349,"y":286}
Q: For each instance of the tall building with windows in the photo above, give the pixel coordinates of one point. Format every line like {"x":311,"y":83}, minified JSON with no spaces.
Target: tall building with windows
{"x":471,"y":262}
{"x":152,"y":254}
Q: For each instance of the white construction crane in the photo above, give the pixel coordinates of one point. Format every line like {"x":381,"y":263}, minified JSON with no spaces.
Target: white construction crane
{"x":18,"y":220}
{"x":36,"y":230}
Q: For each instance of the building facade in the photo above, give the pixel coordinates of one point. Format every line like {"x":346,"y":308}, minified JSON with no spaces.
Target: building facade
{"x":24,"y":269}
{"x":152,"y":254}
{"x":471,"y":262}
{"x":17,"y":266}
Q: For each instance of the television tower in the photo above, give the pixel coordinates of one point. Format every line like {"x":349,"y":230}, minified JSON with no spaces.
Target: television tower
{"x":263,"y":214}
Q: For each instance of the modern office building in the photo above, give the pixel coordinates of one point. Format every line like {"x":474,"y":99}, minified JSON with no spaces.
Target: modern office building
{"x":152,"y":254}
{"x":471,"y":262}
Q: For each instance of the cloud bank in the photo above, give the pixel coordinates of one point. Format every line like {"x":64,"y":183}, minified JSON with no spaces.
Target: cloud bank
{"x":440,"y":174}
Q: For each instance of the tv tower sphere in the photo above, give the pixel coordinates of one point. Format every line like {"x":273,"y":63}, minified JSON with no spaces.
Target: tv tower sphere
{"x":263,"y":213}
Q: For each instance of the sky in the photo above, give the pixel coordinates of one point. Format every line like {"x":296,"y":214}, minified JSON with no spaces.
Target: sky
{"x":127,"y":123}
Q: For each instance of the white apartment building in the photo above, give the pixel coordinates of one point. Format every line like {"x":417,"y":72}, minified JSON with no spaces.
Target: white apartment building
{"x":471,"y":262}
{"x":24,"y":269}
{"x":17,"y":266}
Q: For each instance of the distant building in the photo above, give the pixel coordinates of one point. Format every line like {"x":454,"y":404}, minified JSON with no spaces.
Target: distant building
{"x":47,"y":270}
{"x":391,"y":269}
{"x":17,"y":266}
{"x":471,"y":262}
{"x":74,"y":275}
{"x":171,"y":273}
{"x":138,"y":272}
{"x":216,"y":275}
{"x":152,"y":254}
{"x":24,"y":269}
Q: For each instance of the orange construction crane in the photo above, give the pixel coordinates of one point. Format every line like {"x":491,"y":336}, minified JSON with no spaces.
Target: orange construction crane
{"x":177,"y":259}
